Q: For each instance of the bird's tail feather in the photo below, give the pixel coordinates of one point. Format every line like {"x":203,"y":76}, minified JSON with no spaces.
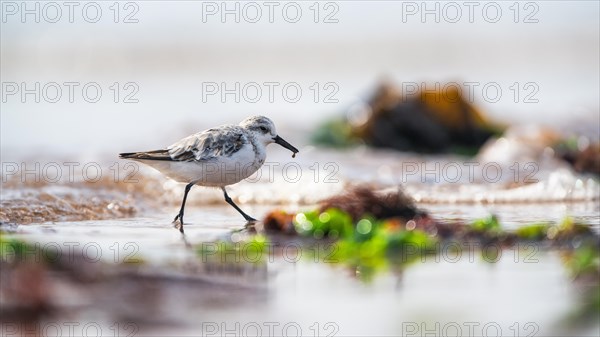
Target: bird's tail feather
{"x":147,"y":155}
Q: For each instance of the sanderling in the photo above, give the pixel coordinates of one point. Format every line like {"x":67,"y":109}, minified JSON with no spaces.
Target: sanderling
{"x":216,"y":157}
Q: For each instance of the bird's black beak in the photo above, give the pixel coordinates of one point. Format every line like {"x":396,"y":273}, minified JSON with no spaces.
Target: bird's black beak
{"x":285,"y":144}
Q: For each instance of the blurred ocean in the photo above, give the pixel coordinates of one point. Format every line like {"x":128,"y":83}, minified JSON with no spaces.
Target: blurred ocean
{"x":171,"y":58}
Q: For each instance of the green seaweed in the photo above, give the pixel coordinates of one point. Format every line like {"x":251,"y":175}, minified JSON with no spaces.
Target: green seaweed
{"x":332,"y":223}
{"x":12,"y":249}
{"x":382,"y":248}
{"x":583,"y":264}
{"x":335,"y":133}
{"x":535,"y":231}
{"x":583,"y":260}
{"x":489,"y":225}
{"x":368,"y":245}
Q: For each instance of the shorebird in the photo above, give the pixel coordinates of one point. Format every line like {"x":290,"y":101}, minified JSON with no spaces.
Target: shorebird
{"x":216,"y":157}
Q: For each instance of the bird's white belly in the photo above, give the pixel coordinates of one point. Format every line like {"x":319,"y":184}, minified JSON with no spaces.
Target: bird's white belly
{"x":221,"y":171}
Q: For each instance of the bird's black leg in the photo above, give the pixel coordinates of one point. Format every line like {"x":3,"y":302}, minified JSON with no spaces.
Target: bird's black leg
{"x":229,"y":201}
{"x":180,"y":215}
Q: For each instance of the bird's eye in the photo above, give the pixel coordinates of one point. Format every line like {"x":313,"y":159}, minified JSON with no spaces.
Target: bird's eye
{"x":263,"y":129}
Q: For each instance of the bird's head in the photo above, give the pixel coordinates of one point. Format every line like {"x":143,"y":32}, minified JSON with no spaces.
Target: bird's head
{"x":263,"y":129}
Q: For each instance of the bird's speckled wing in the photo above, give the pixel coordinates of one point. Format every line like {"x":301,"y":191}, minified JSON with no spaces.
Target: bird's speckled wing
{"x":206,"y":145}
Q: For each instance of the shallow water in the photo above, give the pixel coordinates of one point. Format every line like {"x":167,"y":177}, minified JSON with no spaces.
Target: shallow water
{"x":176,"y":291}
{"x":139,"y":274}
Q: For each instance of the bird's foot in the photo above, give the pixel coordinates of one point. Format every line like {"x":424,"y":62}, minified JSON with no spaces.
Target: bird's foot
{"x":178,"y":222}
{"x":178,"y":225}
{"x":250,"y":227}
{"x":249,"y":218}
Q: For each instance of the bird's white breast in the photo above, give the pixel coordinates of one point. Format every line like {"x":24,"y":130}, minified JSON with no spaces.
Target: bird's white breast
{"x":220,"y":171}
